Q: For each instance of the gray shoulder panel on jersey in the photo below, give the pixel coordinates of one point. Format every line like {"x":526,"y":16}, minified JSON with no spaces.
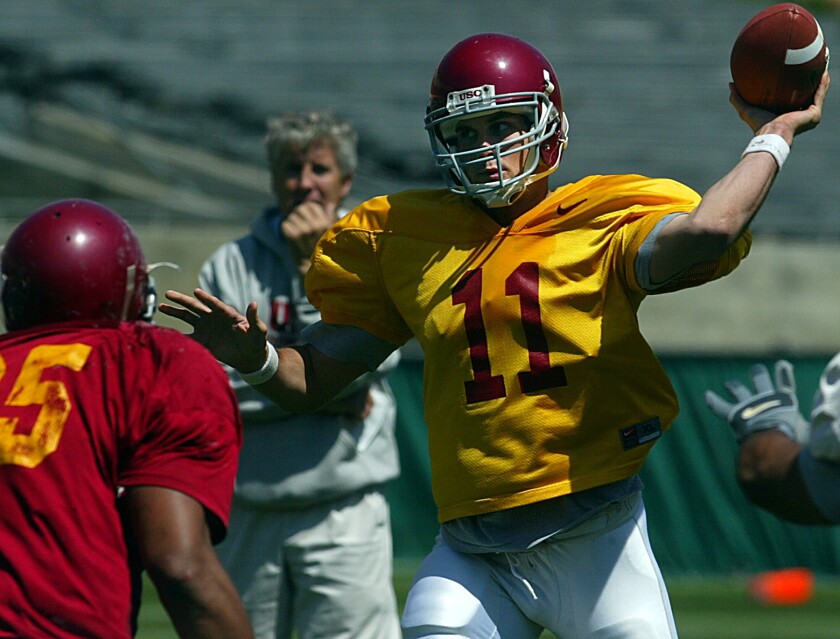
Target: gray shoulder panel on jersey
{"x":822,"y":479}
{"x":642,"y":264}
{"x":348,"y":343}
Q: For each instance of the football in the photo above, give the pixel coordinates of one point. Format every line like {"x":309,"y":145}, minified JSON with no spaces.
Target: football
{"x":778,"y":58}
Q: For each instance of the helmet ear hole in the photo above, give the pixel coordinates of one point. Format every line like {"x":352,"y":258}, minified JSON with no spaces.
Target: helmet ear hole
{"x":551,"y":153}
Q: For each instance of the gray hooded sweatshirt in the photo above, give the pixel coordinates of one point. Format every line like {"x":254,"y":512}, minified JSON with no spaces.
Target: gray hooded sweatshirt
{"x":293,"y":460}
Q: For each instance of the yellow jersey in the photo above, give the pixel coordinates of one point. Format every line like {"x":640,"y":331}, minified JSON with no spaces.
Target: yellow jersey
{"x":537,"y":379}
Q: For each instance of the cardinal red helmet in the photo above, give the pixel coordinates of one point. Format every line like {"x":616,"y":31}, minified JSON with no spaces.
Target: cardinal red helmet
{"x":73,"y":260}
{"x":492,"y":72}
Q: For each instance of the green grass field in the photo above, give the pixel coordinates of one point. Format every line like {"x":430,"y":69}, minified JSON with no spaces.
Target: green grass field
{"x":705,"y":608}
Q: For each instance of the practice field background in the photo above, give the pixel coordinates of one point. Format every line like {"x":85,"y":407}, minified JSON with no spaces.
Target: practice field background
{"x":157,"y":108}
{"x":709,"y":541}
{"x":707,"y":608}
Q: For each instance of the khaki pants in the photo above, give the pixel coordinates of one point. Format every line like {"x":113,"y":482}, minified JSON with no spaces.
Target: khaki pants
{"x":324,"y":571}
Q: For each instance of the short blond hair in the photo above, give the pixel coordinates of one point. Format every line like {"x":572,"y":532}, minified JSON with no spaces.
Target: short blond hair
{"x":297,"y":132}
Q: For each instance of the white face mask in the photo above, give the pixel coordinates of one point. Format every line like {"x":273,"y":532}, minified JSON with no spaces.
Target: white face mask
{"x":543,"y":119}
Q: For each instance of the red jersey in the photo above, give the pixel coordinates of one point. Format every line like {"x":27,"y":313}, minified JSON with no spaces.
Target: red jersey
{"x":87,"y":410}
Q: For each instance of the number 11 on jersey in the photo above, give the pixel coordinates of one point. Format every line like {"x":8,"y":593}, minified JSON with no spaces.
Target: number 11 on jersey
{"x":524,"y":283}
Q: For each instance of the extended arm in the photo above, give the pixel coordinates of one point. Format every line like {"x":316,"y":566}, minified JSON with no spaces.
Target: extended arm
{"x":305,"y":378}
{"x":769,"y":474}
{"x":730,"y":204}
{"x":170,"y":533}
{"x":770,"y":432}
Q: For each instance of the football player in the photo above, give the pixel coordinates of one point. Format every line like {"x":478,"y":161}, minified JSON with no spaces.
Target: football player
{"x":118,"y":441}
{"x":542,"y":398}
{"x":786,"y":465}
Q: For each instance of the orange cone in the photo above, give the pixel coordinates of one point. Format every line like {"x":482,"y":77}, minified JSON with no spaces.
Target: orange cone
{"x":788,"y":587}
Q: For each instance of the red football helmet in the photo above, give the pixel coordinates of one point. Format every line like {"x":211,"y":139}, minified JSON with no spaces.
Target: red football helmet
{"x":74,"y":260}
{"x":495,"y":72}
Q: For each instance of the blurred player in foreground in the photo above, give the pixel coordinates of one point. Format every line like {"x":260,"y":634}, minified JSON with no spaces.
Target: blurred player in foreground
{"x":542,"y":398}
{"x":118,"y":441}
{"x":787,"y":465}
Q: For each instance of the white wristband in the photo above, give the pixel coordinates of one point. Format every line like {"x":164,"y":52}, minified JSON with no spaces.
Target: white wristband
{"x":266,"y":371}
{"x":770,"y":143}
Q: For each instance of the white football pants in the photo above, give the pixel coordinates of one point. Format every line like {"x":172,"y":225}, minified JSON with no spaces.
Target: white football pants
{"x":599,"y":580}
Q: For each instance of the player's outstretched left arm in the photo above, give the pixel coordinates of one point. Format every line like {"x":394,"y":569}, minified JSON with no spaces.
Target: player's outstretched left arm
{"x":769,"y":475}
{"x":730,"y":204}
{"x":298,"y":378}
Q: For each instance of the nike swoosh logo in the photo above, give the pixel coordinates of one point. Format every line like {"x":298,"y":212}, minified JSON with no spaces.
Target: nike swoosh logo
{"x":752,"y":411}
{"x":563,"y":210}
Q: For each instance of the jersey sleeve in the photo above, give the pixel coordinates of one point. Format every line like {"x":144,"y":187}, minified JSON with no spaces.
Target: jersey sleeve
{"x":345,"y":282}
{"x":350,"y":344}
{"x":655,"y":200}
{"x":189,"y":434}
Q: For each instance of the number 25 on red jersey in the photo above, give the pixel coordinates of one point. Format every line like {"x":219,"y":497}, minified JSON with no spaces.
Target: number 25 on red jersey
{"x":29,"y":389}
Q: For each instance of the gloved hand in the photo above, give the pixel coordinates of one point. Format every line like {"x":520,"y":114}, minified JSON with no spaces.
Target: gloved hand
{"x":769,"y":406}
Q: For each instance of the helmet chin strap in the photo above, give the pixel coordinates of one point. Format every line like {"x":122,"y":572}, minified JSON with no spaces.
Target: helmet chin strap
{"x":503,"y":196}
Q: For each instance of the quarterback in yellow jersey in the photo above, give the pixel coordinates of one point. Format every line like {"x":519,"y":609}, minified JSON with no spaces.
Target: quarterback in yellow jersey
{"x":542,"y":398}
{"x":537,"y":378}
